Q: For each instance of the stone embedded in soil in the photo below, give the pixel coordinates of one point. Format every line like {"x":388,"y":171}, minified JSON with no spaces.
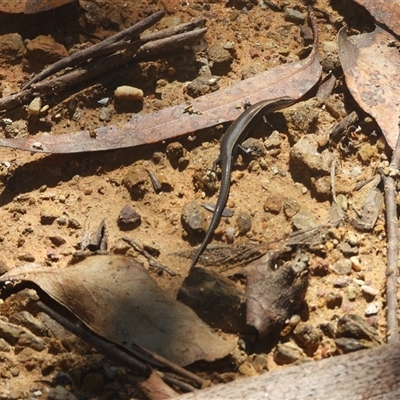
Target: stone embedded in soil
{"x":105,"y":114}
{"x":369,"y":292}
{"x":11,"y":47}
{"x":45,"y":50}
{"x":49,"y":214}
{"x":356,"y":327}
{"x":348,"y":345}
{"x":306,"y":161}
{"x":57,"y":240}
{"x":352,"y":291}
{"x":287,"y":353}
{"x":304,"y":220}
{"x":273,"y":202}
{"x":372,"y":308}
{"x":4,"y":346}
{"x":247,"y":369}
{"x":243,"y":221}
{"x":348,"y":250}
{"x":136,"y":180}
{"x":342,"y":267}
{"x":319,"y":267}
{"x":174,"y":152}
{"x":290,"y":207}
{"x":26,"y":257}
{"x":333,"y":300}
{"x":18,"y":336}
{"x":273,"y":141}
{"x":74,"y":224}
{"x":60,"y":393}
{"x":295,"y":16}
{"x":26,"y":339}
{"x":198,"y":87}
{"x":128,"y":218}
{"x":259,"y":361}
{"x":27,"y":320}
{"x":194,"y":217}
{"x":307,"y":337}
{"x":219,"y":57}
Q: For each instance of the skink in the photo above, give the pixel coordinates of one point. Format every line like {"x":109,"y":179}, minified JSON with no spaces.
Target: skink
{"x":235,"y":135}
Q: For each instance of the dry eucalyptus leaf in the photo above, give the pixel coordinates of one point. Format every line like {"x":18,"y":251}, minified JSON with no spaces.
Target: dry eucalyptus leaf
{"x":386,"y":12}
{"x":371,"y":66}
{"x":116,"y":298}
{"x":30,"y":6}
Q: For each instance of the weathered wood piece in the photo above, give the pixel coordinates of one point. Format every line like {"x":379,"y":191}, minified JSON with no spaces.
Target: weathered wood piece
{"x":366,"y":374}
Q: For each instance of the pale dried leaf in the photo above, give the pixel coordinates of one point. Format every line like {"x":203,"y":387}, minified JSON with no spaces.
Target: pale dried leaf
{"x":371,"y":66}
{"x":116,"y":298}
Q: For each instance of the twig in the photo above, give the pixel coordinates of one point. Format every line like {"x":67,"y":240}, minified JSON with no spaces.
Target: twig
{"x":182,"y":28}
{"x":110,"y":45}
{"x":184,"y":373}
{"x":171,"y":43}
{"x":115,"y":51}
{"x":152,"y":261}
{"x":393,"y":246}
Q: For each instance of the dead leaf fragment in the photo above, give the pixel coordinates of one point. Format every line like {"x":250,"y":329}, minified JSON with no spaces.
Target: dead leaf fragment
{"x":115,"y":297}
{"x":371,"y":69}
{"x":30,"y":6}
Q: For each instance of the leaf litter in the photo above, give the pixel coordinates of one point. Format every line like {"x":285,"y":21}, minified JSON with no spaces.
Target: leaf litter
{"x":116,"y":298}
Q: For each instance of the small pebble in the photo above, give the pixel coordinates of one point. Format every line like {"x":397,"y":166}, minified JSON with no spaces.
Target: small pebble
{"x":243,"y":221}
{"x":287,"y":353}
{"x":273,"y":141}
{"x":341,"y":267}
{"x":34,"y":106}
{"x":128,"y":93}
{"x":372,"y":308}
{"x":355,"y":264}
{"x":342,"y":281}
{"x":230,"y":234}
{"x":333,"y":300}
{"x":352,"y":291}
{"x":369,"y":292}
{"x":128,"y":218}
{"x":247,"y":369}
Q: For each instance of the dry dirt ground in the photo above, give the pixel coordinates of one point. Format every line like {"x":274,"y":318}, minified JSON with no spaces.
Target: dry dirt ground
{"x":87,"y":188}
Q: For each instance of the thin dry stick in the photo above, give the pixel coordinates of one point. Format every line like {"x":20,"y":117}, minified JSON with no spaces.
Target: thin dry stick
{"x":131,"y":51}
{"x":393,"y":246}
{"x":107,"y":46}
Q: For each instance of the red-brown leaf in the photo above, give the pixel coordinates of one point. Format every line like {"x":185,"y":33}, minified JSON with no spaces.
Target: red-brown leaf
{"x":30,"y":6}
